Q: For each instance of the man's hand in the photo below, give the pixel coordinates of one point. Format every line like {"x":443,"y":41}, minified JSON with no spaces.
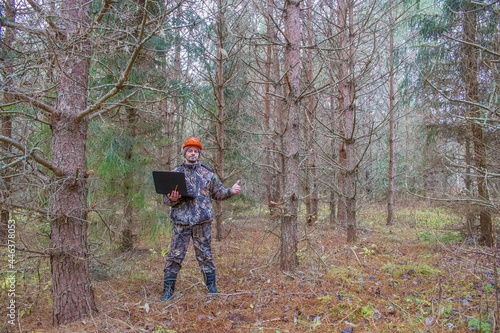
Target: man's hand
{"x":236,"y":189}
{"x":174,"y":196}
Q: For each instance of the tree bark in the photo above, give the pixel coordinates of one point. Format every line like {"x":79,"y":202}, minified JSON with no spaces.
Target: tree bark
{"x":470,"y":215}
{"x":289,"y":258}
{"x":173,"y":108}
{"x":73,"y":298}
{"x":170,"y":107}
{"x":334,"y":102}
{"x":392,"y":125}
{"x":341,"y":96}
{"x":407,"y":147}
{"x":220,"y":63}
{"x":267,"y":113}
{"x":310,"y":128}
{"x":348,"y":109}
{"x":129,"y":232}
{"x":341,"y":179}
{"x":168,"y":132}
{"x":334,"y":174}
{"x":333,"y":208}
{"x":273,"y":121}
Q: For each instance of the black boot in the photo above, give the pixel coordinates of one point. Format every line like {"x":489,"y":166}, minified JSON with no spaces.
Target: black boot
{"x":210,"y":282}
{"x":168,"y":286}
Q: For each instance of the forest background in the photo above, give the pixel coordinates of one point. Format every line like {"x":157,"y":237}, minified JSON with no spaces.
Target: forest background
{"x":363,"y":131}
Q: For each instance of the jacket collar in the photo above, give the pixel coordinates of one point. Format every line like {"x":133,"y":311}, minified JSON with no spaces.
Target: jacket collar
{"x":191,"y":166}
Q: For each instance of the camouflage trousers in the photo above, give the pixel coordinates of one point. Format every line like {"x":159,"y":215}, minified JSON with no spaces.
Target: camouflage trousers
{"x":202,"y":240}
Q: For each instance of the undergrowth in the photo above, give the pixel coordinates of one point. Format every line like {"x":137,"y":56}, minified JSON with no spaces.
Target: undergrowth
{"x":416,"y":276}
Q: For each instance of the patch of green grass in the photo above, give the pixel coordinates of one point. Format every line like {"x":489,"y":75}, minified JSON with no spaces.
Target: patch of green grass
{"x":448,"y":237}
{"x":345,"y":274}
{"x":430,"y":217}
{"x":163,"y":330}
{"x":481,"y":325}
{"x":368,"y":310}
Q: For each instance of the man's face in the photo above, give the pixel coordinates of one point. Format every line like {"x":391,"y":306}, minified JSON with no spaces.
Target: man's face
{"x":192,"y":155}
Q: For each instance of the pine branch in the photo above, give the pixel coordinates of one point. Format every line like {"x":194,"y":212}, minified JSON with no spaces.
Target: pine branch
{"x":40,"y":160}
{"x":476,"y":46}
{"x":20,"y":27}
{"x":39,"y":104}
{"x":120,"y":85}
{"x":41,"y":12}
{"x":104,"y":9}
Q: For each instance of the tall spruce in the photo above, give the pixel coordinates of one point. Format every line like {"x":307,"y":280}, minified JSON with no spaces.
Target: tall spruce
{"x":290,"y":149}
{"x":463,"y":35}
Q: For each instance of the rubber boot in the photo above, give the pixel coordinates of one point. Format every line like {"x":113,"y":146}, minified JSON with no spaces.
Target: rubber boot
{"x":168,"y":286}
{"x":210,"y":282}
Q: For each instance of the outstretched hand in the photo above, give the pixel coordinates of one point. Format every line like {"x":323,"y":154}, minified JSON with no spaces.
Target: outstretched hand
{"x":236,"y":189}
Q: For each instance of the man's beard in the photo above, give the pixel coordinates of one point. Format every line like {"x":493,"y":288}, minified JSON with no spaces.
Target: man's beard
{"x":192,"y":159}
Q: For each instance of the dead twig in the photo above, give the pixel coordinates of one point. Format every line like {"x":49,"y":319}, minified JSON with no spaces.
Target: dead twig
{"x":356,"y":255}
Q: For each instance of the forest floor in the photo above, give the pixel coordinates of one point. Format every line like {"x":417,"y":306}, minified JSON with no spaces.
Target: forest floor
{"x":418,"y":276}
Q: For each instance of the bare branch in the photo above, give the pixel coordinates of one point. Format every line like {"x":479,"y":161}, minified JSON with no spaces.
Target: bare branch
{"x":57,"y":171}
{"x":20,"y":27}
{"x":457,"y":100}
{"x":475,"y":45}
{"x":103,"y":11}
{"x":125,"y":74}
{"x":39,"y":104}
{"x":38,"y":210}
{"x":114,"y":105}
{"x":24,"y":115}
{"x":26,"y":250}
{"x":40,"y":11}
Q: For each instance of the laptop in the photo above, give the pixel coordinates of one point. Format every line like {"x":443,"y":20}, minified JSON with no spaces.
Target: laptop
{"x":168,"y":181}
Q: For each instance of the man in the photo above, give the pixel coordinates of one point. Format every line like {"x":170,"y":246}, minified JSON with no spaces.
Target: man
{"x":192,"y":217}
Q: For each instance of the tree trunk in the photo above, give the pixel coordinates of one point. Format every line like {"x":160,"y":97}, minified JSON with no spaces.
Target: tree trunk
{"x":129,"y":232}
{"x":407,"y":147}
{"x":267,"y":113}
{"x":168,"y":132}
{"x":472,"y":95}
{"x":6,"y":126}
{"x":310,"y":128}
{"x":341,"y":96}
{"x":334,"y":175}
{"x":289,"y":258}
{"x":470,"y":213}
{"x":333,"y":208}
{"x":341,"y":202}
{"x":220,"y":63}
{"x":334,"y":201}
{"x":392,"y":126}
{"x":346,"y":99}
{"x":73,"y":298}
{"x":278,"y":126}
{"x":170,"y":111}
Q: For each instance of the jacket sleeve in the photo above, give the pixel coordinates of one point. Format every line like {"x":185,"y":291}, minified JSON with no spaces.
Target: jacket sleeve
{"x":218,"y":190}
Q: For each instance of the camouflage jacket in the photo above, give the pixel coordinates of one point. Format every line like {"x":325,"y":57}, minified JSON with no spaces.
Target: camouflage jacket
{"x":203,"y":184}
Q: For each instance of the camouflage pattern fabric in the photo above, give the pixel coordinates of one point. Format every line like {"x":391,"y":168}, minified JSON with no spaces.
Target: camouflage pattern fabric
{"x":192,"y":217}
{"x":202,"y":238}
{"x":202,"y":184}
